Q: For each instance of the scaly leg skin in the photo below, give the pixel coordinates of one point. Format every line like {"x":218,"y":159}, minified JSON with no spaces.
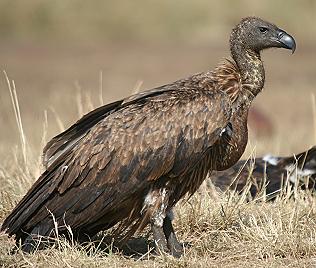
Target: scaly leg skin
{"x":155,"y":204}
{"x":33,"y":241}
{"x":175,"y":248}
{"x":159,"y":239}
{"x":29,"y":244}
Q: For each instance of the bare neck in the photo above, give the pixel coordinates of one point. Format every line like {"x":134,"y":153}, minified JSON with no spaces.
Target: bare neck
{"x":251,"y":69}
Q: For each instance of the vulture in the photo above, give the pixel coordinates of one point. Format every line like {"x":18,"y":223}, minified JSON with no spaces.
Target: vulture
{"x":269,"y":172}
{"x":126,"y":164}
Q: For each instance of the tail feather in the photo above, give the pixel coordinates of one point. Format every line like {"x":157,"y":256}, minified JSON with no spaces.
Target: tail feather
{"x":15,"y":222}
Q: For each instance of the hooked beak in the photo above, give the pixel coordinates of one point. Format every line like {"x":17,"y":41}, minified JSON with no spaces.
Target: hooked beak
{"x":286,"y":41}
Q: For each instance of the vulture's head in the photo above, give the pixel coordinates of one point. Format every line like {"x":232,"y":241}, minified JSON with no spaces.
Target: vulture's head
{"x":256,"y":34}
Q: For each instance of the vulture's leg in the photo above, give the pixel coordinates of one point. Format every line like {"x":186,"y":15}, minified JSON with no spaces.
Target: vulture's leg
{"x":35,"y":240}
{"x":155,"y":204}
{"x":173,"y":244}
{"x":30,"y":244}
{"x":159,"y":238}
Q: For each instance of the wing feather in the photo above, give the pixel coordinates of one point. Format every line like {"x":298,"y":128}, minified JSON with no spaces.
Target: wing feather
{"x":67,"y":140}
{"x":60,"y":144}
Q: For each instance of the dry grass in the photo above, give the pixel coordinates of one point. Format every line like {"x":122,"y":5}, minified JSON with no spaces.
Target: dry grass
{"x":222,"y":231}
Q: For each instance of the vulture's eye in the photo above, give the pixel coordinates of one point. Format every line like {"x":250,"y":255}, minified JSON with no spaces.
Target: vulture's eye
{"x":263,"y":29}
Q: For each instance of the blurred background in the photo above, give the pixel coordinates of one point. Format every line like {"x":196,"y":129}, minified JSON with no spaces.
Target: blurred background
{"x":67,"y":57}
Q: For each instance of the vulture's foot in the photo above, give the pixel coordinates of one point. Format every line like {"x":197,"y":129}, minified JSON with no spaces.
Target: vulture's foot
{"x":34,"y":242}
{"x":172,"y":246}
{"x":176,"y":248}
{"x":156,"y":202}
{"x":159,"y":239}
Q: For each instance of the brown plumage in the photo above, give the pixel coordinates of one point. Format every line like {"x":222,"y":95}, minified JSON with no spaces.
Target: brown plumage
{"x":269,"y":172}
{"x":126,"y":164}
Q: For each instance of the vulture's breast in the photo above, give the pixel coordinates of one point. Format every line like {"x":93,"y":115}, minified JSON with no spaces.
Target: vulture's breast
{"x":233,"y":141}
